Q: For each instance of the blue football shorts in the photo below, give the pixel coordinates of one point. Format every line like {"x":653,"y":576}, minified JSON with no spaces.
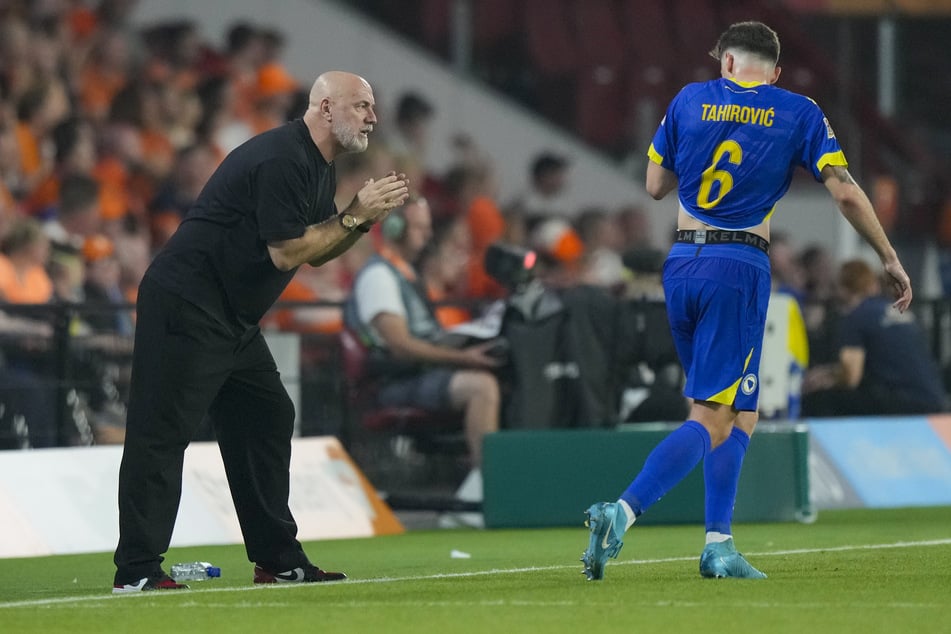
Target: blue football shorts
{"x":717,"y":296}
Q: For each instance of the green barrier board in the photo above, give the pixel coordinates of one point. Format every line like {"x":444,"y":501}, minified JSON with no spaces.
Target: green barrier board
{"x":549,"y":478}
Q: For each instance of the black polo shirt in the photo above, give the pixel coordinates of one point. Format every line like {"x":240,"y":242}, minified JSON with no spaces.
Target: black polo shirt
{"x":268,"y":189}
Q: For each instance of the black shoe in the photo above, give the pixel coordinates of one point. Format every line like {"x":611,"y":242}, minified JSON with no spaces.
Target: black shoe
{"x":309,"y":573}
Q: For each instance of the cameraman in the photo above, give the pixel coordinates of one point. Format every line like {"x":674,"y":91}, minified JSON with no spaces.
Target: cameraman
{"x":390,"y":312}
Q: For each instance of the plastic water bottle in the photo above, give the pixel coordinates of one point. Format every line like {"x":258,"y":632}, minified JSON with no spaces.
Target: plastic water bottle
{"x":194,"y":571}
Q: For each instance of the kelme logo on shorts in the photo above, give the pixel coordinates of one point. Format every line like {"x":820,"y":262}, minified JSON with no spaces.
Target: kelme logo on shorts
{"x":748,"y":384}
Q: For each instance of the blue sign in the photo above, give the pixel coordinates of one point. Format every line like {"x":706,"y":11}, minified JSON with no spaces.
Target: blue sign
{"x":890,"y":462}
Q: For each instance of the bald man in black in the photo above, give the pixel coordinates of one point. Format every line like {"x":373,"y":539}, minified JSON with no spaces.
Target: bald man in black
{"x":268,"y":209}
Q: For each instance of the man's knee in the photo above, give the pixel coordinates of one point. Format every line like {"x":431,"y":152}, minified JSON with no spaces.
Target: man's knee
{"x":718,"y":418}
{"x":480,"y":400}
{"x":746,"y":420}
{"x":488,"y":386}
{"x":469,"y":385}
{"x":246,"y":412}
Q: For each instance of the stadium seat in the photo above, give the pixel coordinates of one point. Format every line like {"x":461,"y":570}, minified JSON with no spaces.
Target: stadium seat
{"x":697,"y":31}
{"x":599,"y":104}
{"x":600,"y":107}
{"x":379,"y":437}
{"x":650,"y":75}
{"x":552,"y":51}
{"x":494,"y":22}
{"x":601,"y":40}
{"x":552,"y":43}
{"x":435,"y":17}
{"x":743,"y":10}
{"x":650,"y":37}
{"x":360,"y":391}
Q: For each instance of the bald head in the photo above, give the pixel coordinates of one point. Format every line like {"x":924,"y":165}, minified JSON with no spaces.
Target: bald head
{"x":340,"y":114}
{"x":334,"y":84}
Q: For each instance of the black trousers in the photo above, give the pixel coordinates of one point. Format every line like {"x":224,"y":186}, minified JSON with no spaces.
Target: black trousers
{"x":187,"y":365}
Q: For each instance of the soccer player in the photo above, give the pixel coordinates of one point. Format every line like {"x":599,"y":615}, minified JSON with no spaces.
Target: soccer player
{"x":730,"y":147}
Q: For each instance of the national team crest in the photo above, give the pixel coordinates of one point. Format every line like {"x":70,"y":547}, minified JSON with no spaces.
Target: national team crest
{"x":748,"y":384}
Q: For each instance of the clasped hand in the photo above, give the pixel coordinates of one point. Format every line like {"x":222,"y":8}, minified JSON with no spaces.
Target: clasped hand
{"x":377,"y":198}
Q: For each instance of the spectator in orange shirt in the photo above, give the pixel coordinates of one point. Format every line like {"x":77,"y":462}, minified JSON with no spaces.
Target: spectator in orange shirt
{"x":139,"y":105}
{"x":25,"y":253}
{"x":75,"y":146}
{"x":246,"y":51}
{"x":105,"y":73}
{"x":9,"y":174}
{"x":120,"y":151}
{"x":473,"y":189}
{"x":39,"y":110}
{"x":443,"y":266}
{"x":219,"y":125}
{"x":175,"y":52}
{"x":173,"y":71}
{"x":276,"y":91}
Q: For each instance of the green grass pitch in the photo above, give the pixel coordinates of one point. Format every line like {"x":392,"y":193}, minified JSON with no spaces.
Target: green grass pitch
{"x":851,"y":571}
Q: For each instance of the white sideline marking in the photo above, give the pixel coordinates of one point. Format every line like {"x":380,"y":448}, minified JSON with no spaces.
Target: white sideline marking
{"x":454,"y":575}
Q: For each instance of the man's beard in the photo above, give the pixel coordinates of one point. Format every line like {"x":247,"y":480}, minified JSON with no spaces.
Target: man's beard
{"x":349,"y":139}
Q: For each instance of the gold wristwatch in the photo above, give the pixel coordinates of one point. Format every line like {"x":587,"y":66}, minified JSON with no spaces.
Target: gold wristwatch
{"x":349,"y":222}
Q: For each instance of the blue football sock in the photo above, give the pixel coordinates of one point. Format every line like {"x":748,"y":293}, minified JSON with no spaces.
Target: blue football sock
{"x":669,"y":463}
{"x":721,"y":474}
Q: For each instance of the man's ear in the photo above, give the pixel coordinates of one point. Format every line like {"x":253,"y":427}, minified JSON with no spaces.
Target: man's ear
{"x":325,"y":109}
{"x":727,"y":63}
{"x":776,"y":71}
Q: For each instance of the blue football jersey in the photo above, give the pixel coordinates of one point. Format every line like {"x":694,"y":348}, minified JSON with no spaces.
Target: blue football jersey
{"x":734,"y":147}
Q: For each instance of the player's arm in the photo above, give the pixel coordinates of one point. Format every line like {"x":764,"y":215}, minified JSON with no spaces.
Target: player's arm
{"x":660,"y":180}
{"x":855,"y":206}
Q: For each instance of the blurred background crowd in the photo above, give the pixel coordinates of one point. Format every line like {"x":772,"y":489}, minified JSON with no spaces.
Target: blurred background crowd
{"x":108,"y":131}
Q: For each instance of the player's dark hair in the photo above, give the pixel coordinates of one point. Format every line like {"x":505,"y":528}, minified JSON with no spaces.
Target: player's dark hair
{"x":752,"y":37}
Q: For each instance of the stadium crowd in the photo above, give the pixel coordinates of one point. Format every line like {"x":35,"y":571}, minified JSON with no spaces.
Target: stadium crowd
{"x":108,"y":132}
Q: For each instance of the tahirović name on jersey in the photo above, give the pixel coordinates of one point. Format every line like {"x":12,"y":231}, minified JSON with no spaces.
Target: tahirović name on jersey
{"x":738,"y":114}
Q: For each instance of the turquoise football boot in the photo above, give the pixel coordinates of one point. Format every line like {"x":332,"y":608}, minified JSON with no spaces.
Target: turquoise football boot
{"x":721,"y":560}
{"x":607,"y":521}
